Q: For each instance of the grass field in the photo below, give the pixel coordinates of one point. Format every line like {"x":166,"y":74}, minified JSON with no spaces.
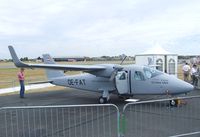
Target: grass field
{"x":8,"y":73}
{"x":9,"y":76}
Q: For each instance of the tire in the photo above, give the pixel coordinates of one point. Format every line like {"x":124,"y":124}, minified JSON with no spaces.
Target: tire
{"x":102,"y":100}
{"x":173,"y":103}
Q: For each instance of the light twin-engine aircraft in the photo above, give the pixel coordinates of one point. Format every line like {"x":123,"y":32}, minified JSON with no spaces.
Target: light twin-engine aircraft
{"x":110,"y":78}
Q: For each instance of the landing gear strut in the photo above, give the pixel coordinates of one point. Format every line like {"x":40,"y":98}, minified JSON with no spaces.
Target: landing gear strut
{"x":104,"y":98}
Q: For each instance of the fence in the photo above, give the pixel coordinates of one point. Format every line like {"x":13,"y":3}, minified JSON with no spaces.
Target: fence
{"x":140,"y":119}
{"x":60,"y":121}
{"x":157,"y":118}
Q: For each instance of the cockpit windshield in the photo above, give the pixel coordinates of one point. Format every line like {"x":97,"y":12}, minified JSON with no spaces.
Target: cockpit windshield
{"x":151,"y":72}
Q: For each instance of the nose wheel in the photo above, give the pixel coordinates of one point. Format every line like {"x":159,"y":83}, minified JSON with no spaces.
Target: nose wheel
{"x":176,"y":102}
{"x":173,"y":103}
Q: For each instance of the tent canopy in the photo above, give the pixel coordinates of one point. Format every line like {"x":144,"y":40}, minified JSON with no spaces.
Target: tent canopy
{"x":157,"y":50}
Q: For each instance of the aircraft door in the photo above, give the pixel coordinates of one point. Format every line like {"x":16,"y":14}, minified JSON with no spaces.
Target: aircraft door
{"x":138,"y":84}
{"x":122,"y":82}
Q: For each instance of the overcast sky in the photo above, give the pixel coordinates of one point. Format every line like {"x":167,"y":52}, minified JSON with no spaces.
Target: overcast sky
{"x":98,"y":27}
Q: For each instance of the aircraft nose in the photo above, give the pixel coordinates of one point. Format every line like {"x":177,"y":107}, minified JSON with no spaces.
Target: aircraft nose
{"x":188,"y":86}
{"x":177,"y":86}
{"x":182,"y":86}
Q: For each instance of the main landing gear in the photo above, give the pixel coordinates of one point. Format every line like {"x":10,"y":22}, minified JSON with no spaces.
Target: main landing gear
{"x":104,"y":98}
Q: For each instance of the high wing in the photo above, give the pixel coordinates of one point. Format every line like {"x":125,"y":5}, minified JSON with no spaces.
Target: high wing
{"x":21,"y":64}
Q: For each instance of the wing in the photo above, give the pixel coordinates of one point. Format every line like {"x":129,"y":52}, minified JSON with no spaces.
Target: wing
{"x":21,"y":64}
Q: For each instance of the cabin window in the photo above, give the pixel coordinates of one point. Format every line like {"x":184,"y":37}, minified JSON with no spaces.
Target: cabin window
{"x":159,"y":62}
{"x":138,"y":75}
{"x":171,"y":66}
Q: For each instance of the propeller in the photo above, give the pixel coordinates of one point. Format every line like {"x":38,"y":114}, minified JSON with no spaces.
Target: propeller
{"x":117,"y":68}
{"x":124,"y":57}
{"x":114,"y":73}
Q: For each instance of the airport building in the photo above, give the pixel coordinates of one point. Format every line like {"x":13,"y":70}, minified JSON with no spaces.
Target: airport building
{"x":69,"y":59}
{"x":160,"y":59}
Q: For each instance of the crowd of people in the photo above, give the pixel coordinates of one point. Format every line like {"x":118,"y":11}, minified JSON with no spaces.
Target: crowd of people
{"x":191,"y":71}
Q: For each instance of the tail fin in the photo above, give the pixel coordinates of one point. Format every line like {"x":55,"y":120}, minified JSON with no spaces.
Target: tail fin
{"x":51,"y":73}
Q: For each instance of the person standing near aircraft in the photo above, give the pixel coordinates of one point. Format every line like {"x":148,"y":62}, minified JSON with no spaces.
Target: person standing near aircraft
{"x":186,"y":72}
{"x":21,"y":77}
{"x":194,"y":75}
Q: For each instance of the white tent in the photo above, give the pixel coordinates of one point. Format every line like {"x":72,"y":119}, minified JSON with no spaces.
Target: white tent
{"x":161,"y":59}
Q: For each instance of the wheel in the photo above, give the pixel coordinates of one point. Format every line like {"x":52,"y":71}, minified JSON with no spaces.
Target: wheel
{"x":102,"y":100}
{"x":173,"y":103}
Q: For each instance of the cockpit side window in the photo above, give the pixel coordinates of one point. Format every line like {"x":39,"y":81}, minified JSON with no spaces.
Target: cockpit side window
{"x":150,"y":72}
{"x":138,"y":75}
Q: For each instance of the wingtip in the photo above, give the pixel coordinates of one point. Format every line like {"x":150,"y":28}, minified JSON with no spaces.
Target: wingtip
{"x":15,"y":59}
{"x":10,"y":47}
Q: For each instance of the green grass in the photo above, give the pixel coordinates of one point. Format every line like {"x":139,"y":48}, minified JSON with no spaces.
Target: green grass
{"x":8,"y":76}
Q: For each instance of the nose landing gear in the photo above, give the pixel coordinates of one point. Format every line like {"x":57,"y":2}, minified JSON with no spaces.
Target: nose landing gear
{"x":177,"y":102}
{"x":173,"y":103}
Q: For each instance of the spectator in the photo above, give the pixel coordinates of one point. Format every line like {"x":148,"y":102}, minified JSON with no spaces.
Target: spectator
{"x":186,"y":72}
{"x":194,"y":74}
{"x":21,"y":82}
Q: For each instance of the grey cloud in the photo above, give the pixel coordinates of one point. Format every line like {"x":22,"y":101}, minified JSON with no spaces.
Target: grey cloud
{"x":69,"y":27}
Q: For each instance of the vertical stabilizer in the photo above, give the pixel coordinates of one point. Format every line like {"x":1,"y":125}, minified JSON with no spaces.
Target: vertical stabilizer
{"x":51,"y":73}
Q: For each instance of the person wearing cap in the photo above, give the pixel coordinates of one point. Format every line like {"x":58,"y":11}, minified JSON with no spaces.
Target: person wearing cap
{"x":21,"y":77}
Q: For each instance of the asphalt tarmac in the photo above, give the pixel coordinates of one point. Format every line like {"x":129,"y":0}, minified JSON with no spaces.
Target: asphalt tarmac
{"x":92,"y":121}
{"x":67,"y":96}
{"x":83,"y":121}
{"x":55,"y":96}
